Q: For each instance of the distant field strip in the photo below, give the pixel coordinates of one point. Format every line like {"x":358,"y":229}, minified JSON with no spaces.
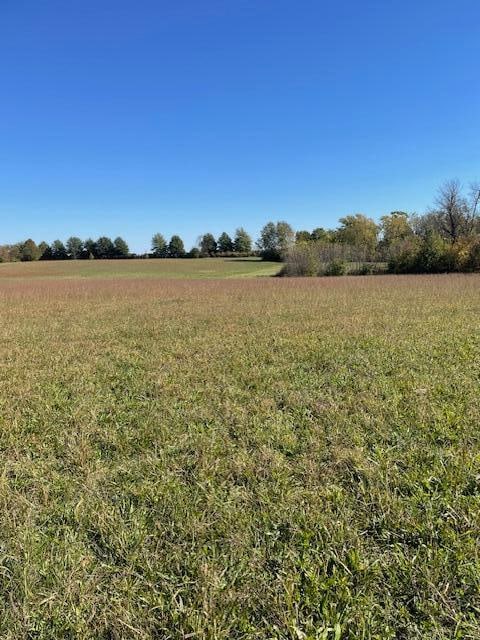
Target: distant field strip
{"x":256,"y":458}
{"x":154,"y":268}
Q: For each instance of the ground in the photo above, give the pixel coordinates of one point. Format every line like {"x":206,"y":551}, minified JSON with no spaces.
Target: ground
{"x":238,"y":458}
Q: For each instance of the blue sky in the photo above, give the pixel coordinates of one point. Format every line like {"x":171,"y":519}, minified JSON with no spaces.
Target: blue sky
{"x":184,"y":116}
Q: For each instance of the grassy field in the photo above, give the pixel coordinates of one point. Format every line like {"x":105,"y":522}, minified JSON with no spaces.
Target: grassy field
{"x":254,"y":458}
{"x":164,"y":268}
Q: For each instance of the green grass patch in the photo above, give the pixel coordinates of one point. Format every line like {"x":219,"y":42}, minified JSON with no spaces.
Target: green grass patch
{"x":152,"y":268}
{"x":250,"y":458}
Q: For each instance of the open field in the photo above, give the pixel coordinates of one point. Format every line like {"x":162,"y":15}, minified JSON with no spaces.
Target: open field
{"x":160,"y":268}
{"x":243,"y":458}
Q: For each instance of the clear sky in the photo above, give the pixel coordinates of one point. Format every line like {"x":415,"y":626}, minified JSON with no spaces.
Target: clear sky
{"x":185,"y":116}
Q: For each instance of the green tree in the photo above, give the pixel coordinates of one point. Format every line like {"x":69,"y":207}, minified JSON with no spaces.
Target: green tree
{"x":159,"y":246}
{"x":194,"y":253}
{"x":243,"y":241}
{"x":322,"y":235}
{"x":74,"y":247}
{"x":45,"y":251}
{"x":89,"y":249}
{"x":121,"y":248}
{"x":432,"y":256}
{"x":267,"y":243}
{"x":225,"y":243}
{"x":208,"y":245}
{"x":395,"y":228}
{"x":104,"y":248}
{"x":360,"y":232}
{"x":58,"y":250}
{"x":275,"y":240}
{"x":176,"y":248}
{"x":29,"y":251}
{"x":285,"y":236}
{"x":303,"y":236}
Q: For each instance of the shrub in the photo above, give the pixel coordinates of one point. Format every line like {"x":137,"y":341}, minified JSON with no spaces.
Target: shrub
{"x":336,"y":268}
{"x":302,"y":261}
{"x":365,"y":269}
{"x":472,"y":262}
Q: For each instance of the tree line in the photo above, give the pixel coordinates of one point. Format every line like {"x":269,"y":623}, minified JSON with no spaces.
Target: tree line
{"x":105,"y":248}
{"x":208,"y":246}
{"x":74,"y":249}
{"x":445,"y":238}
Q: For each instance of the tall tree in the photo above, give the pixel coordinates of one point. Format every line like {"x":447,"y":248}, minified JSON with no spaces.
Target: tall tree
{"x":45,"y":251}
{"x":455,"y":218}
{"x":322,"y":235}
{"x":285,"y":237}
{"x":360,"y":232}
{"x":394,"y":227}
{"x":396,"y":232}
{"x":104,"y":248}
{"x":303,"y":236}
{"x":176,"y":248}
{"x":89,"y":249}
{"x":267,"y":243}
{"x":275,"y":240}
{"x":208,"y":245}
{"x":120,"y":248}
{"x":243,"y":241}
{"x":29,"y":251}
{"x":58,"y":250}
{"x":225,"y":243}
{"x":74,"y":247}
{"x":159,"y":246}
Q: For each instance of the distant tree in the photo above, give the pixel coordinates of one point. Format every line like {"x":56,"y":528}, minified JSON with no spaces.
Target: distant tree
{"x":194,"y":253}
{"x":285,"y":236}
{"x":395,"y":229}
{"x":267,"y":243}
{"x":275,"y":240}
{"x":424,"y":224}
{"x":243,"y":241}
{"x":208,"y":245}
{"x":176,"y":248}
{"x":225,"y":243}
{"x":322,"y":235}
{"x":29,"y":251}
{"x":474,"y":205}
{"x":59,"y":251}
{"x":159,"y":246}
{"x":303,"y":236}
{"x":453,"y":213}
{"x":45,"y":251}
{"x":89,"y":249}
{"x":432,"y":254}
{"x":359,"y":231}
{"x":121,"y":249}
{"x":74,"y":247}
{"x":104,"y":248}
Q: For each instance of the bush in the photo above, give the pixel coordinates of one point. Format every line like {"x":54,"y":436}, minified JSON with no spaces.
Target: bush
{"x":365,"y":269}
{"x":473,"y":260}
{"x":336,"y":268}
{"x":302,"y":261}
